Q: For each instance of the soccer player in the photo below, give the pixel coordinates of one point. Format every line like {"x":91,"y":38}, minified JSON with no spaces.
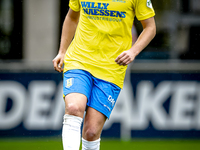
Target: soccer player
{"x":96,"y":47}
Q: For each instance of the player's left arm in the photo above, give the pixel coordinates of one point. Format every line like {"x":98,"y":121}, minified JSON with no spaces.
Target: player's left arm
{"x":148,"y":33}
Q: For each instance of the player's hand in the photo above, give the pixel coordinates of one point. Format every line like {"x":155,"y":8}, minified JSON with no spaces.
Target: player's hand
{"x":125,"y":58}
{"x":58,"y":62}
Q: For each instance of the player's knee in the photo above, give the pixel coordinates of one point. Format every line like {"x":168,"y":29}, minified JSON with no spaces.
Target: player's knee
{"x":73,"y":109}
{"x":91,"y":134}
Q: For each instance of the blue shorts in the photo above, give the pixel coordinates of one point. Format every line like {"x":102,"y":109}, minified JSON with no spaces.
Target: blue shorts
{"x":101,"y":95}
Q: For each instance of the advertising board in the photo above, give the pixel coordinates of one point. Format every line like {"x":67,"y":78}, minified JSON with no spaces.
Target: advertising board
{"x":151,"y":105}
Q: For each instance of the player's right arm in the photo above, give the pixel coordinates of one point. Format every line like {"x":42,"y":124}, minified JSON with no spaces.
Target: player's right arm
{"x":68,"y":31}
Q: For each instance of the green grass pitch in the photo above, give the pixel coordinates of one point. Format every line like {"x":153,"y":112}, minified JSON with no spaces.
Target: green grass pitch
{"x":106,"y":144}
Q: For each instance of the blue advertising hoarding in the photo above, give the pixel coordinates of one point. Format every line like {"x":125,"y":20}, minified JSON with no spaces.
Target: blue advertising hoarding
{"x":151,"y":105}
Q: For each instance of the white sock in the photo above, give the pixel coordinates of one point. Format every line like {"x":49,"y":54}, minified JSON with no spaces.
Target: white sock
{"x":90,"y":145}
{"x":71,"y":132}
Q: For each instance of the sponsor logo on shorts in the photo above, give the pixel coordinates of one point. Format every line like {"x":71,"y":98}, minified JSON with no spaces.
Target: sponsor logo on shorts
{"x":111,"y":100}
{"x":69,"y":82}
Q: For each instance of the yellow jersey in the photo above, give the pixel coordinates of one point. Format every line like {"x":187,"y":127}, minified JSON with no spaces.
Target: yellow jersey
{"x":102,"y":34}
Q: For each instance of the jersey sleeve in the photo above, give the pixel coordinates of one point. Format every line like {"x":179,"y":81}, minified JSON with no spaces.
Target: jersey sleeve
{"x":144,"y":9}
{"x":74,"y":5}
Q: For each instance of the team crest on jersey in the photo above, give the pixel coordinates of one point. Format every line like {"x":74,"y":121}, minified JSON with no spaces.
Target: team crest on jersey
{"x":121,"y":1}
{"x":69,"y":82}
{"x":149,"y":4}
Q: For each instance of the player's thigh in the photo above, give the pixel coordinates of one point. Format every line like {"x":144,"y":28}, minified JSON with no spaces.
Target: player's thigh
{"x":93,"y":124}
{"x":77,"y":85}
{"x":103,"y":96}
{"x":75,"y":104}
